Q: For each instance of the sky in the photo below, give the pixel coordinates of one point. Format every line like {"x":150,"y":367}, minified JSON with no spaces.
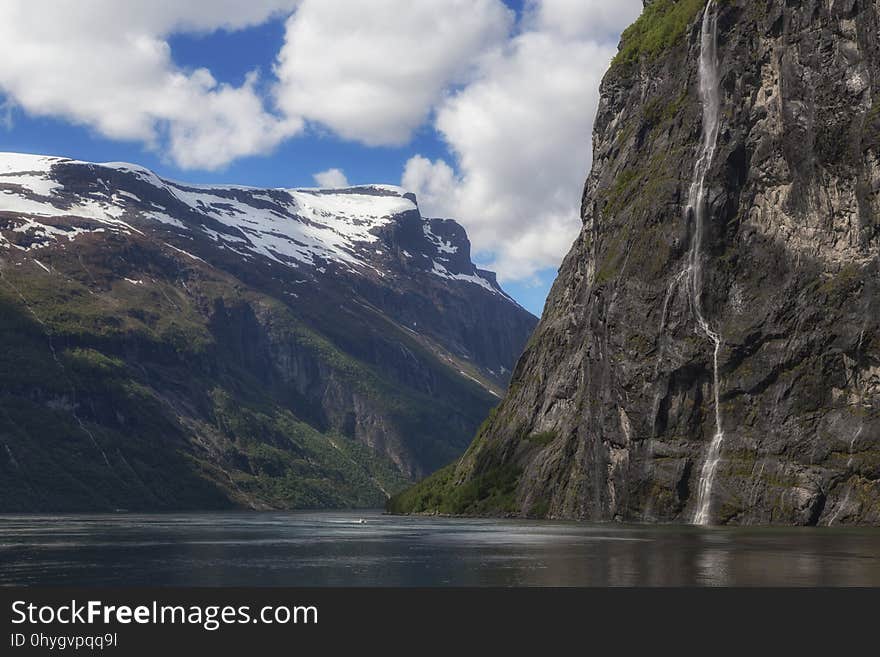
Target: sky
{"x":483,"y":108}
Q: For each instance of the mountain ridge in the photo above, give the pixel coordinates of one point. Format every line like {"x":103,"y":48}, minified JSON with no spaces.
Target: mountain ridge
{"x":230,"y":345}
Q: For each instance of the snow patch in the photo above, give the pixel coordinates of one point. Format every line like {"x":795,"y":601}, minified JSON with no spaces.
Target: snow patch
{"x":186,"y":253}
{"x":442,"y":245}
{"x":289,"y":226}
{"x":442,"y":272}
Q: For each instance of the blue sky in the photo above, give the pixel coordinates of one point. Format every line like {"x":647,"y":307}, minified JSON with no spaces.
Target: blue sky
{"x":464,"y":126}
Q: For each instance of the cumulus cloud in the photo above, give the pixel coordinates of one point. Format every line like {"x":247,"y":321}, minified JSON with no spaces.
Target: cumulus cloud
{"x":107,"y":65}
{"x":371,"y":71}
{"x":514,"y":102}
{"x":599,"y":20}
{"x":333,"y":178}
{"x":435,"y":185}
{"x":520,"y":135}
{"x":6,"y":115}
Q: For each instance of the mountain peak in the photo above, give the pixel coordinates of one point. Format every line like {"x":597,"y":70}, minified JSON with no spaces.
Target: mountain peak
{"x":300,"y":347}
{"x":50,"y":200}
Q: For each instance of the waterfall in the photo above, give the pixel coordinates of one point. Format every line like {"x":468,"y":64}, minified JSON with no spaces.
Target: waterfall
{"x":696,"y":210}
{"x":61,"y":367}
{"x":849,"y":462}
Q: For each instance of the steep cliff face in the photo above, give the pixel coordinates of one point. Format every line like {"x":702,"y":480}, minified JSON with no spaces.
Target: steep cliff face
{"x":176,"y":346}
{"x":710,"y":352}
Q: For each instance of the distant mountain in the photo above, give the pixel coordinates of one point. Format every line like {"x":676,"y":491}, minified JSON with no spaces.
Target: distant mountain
{"x":176,"y":346}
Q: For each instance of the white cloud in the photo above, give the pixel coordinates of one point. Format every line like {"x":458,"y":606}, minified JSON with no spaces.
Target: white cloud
{"x":599,"y":20}
{"x":371,"y":71}
{"x":331,"y":178}
{"x":515,"y":108}
{"x":107,"y":65}
{"x":520,"y":133}
{"x":6,"y":108}
{"x":434,"y":183}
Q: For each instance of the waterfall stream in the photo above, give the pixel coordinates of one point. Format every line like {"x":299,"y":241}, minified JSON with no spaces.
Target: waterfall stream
{"x":696,"y":210}
{"x":61,"y":367}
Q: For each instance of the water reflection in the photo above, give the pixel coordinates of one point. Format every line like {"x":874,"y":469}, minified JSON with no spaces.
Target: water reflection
{"x":335,"y":549}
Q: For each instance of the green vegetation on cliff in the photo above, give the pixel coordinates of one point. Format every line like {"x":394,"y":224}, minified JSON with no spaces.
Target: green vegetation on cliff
{"x":662,"y":25}
{"x":490,"y":492}
{"x":201,"y":395}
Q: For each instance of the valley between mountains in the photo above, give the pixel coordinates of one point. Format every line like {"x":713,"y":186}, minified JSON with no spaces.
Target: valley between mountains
{"x":709,"y":353}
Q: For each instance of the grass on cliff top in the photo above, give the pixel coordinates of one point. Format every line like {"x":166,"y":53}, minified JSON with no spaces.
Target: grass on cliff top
{"x":662,"y":24}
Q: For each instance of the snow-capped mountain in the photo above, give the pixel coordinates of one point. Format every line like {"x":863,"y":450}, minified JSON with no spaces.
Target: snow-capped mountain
{"x":288,"y":320}
{"x":56,"y":200}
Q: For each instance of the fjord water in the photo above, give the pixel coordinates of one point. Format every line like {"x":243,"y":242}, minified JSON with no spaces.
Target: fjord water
{"x":338,"y":549}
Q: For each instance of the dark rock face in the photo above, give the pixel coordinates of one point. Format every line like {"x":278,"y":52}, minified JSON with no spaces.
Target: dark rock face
{"x":611,"y":411}
{"x":171,"y":346}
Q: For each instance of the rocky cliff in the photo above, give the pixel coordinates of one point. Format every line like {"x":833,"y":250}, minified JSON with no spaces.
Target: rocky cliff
{"x":171,"y":346}
{"x":710,"y":352}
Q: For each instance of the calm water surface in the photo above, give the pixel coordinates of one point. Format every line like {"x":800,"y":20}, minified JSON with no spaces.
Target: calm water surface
{"x":336,"y":549}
